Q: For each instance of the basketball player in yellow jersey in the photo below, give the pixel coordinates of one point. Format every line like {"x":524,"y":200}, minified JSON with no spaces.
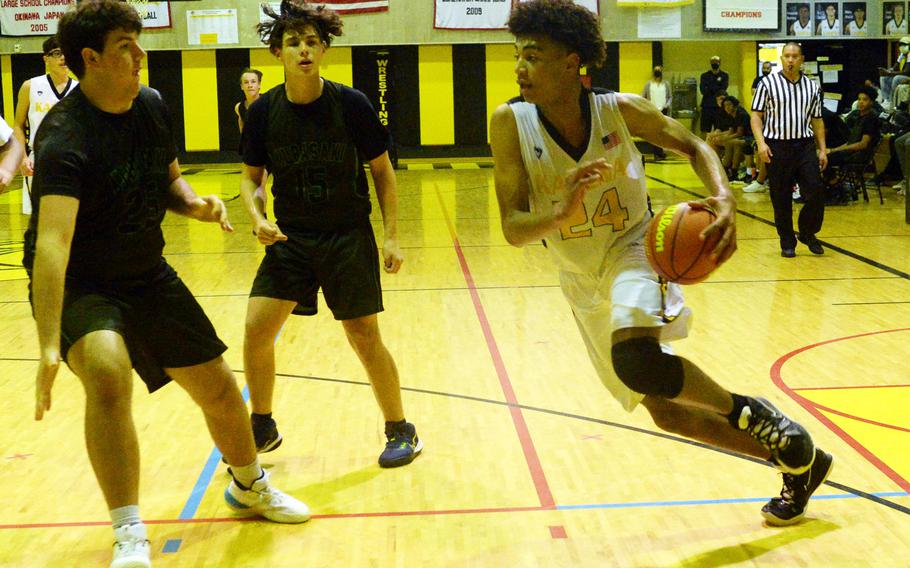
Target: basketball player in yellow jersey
{"x":567,"y":172}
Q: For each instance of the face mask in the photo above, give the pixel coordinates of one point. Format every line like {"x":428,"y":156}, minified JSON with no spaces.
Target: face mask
{"x":658,"y":74}
{"x":715,"y":66}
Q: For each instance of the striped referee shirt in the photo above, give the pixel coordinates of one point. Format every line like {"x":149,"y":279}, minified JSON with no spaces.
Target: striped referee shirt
{"x":788,"y":106}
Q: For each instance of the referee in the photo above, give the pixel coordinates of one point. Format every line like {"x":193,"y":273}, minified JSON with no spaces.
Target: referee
{"x":786,"y":115}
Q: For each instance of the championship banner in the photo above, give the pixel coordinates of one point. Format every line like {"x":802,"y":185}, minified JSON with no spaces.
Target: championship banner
{"x":482,"y":14}
{"x":154,"y":14}
{"x":31,"y":17}
{"x":751,"y":15}
{"x":341,"y":6}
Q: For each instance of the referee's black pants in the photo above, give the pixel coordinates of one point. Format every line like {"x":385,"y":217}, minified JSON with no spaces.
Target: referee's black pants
{"x":795,"y":161}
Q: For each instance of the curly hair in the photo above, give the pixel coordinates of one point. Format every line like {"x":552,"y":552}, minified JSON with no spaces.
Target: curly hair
{"x":870,"y":92}
{"x":88,"y":26}
{"x":297,"y":15}
{"x":564,"y":22}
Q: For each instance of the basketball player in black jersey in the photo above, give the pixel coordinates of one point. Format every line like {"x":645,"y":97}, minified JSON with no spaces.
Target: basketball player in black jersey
{"x":313,"y":136}
{"x":104,"y":298}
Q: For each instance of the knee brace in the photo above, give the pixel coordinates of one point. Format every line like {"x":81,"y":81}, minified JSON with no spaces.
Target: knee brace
{"x":643,"y":367}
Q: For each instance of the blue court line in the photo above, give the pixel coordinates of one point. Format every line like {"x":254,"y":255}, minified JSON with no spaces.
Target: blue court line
{"x":205,"y":478}
{"x":172,"y":545}
{"x":714,"y":501}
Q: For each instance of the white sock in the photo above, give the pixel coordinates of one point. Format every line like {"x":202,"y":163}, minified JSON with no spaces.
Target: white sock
{"x":128,"y":515}
{"x":247,"y":474}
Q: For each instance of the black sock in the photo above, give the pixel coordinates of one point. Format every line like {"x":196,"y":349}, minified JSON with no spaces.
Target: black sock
{"x":395,"y":426}
{"x":739,"y":402}
{"x":260,"y":418}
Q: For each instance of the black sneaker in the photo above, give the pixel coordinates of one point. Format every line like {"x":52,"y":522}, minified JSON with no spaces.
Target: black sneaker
{"x":402,"y":447}
{"x":790,"y":507}
{"x":265,"y":433}
{"x":815,"y":247}
{"x":790,"y":445}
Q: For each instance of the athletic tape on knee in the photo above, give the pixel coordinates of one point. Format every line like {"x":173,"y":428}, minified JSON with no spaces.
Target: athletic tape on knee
{"x":643,"y":367}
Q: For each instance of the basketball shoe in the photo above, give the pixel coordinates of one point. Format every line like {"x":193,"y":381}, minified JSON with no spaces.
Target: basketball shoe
{"x":265,"y":432}
{"x":790,"y":445}
{"x":264,"y":500}
{"x":131,"y":547}
{"x":790,"y":507}
{"x":402,"y":447}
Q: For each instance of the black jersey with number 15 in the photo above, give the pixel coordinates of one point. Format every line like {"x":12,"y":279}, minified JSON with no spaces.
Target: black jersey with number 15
{"x":316,"y":153}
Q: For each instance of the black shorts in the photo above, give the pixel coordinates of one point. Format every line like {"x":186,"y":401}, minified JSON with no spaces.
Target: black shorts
{"x":344,"y":263}
{"x":160,"y":321}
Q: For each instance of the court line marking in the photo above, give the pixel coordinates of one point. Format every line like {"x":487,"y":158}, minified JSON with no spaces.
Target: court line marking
{"x":524,"y":435}
{"x":846,"y":488}
{"x":814,"y":409}
{"x":477,"y":511}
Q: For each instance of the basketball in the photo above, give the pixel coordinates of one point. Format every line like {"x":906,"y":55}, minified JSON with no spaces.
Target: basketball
{"x":674,"y":248}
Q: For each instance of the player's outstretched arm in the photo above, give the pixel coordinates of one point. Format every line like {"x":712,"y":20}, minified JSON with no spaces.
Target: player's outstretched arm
{"x":10,"y":157}
{"x":56,"y":224}
{"x":184,"y":201}
{"x":519,"y":225}
{"x":384,"y":179}
{"x":645,"y":121}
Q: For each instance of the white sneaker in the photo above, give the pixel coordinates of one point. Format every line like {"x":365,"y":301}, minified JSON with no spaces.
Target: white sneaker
{"x":755,"y":187}
{"x":900,"y":188}
{"x":264,"y":500}
{"x":131,"y":547}
{"x":796,"y":194}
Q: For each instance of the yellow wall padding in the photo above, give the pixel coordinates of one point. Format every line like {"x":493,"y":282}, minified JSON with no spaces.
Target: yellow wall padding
{"x":634,"y":66}
{"x":200,"y":100}
{"x":6,"y":83}
{"x":437,"y":95}
{"x":501,"y":86}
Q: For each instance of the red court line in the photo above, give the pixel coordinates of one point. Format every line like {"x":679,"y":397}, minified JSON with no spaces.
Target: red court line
{"x":813,"y":408}
{"x":521,"y":427}
{"x":851,"y":387}
{"x":382,"y":514}
{"x":859,"y":418}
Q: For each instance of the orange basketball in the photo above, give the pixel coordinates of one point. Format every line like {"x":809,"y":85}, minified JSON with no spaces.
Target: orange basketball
{"x":674,"y":248}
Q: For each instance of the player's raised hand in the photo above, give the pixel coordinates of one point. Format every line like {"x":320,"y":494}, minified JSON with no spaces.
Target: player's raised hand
{"x":48,"y":366}
{"x":577,"y":183}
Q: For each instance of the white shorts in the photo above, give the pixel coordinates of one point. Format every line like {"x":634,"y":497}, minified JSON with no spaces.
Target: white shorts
{"x":626,"y":294}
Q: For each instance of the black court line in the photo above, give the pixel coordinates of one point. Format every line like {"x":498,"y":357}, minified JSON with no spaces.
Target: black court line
{"x":192,"y":171}
{"x":670,"y":437}
{"x":846,"y":488}
{"x":843,"y":251}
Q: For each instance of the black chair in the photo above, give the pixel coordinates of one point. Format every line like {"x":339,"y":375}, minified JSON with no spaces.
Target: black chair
{"x":854,"y":174}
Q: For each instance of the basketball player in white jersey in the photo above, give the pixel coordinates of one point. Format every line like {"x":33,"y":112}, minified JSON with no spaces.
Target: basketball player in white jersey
{"x":10,"y":155}
{"x":898,"y":23}
{"x":803,"y":25}
{"x":567,"y":172}
{"x":858,"y":27}
{"x":36,"y":97}
{"x":830,"y":25}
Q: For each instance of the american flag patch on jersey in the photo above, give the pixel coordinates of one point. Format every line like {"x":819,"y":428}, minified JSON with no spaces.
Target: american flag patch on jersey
{"x":357,"y":6}
{"x":611,"y":140}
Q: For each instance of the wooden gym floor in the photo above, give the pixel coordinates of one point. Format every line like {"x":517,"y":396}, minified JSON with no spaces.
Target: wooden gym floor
{"x":528,"y":461}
